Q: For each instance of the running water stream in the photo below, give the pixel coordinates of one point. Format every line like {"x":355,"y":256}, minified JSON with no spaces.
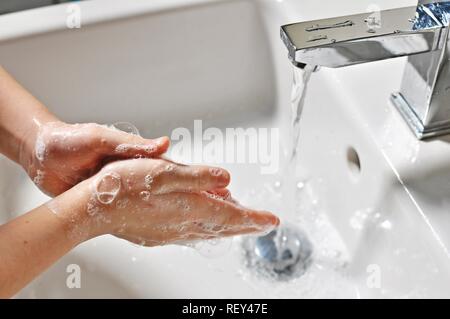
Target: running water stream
{"x":301,"y":77}
{"x":286,"y":252}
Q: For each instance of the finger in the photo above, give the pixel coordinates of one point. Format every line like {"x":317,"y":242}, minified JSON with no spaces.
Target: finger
{"x":124,"y":145}
{"x":191,"y":216}
{"x":215,"y":215}
{"x":238,"y":217}
{"x":235,"y":231}
{"x":182,"y":178}
{"x":188,"y":235}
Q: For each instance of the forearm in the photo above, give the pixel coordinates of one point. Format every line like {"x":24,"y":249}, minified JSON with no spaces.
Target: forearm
{"x":20,"y":116}
{"x":31,"y":243}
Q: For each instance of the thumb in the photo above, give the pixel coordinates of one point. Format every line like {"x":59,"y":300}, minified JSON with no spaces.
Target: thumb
{"x":123,"y":145}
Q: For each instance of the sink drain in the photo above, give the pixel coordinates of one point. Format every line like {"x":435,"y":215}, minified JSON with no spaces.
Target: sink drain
{"x":283,"y":254}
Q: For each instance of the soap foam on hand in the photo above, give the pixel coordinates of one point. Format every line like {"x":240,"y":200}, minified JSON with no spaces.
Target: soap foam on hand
{"x":211,"y":248}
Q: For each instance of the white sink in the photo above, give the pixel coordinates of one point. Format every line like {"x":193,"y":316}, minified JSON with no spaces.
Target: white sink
{"x":162,"y":65}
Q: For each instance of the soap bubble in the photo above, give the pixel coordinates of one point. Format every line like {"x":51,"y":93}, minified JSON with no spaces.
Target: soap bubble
{"x":107,"y":187}
{"x":122,"y":203}
{"x":126,"y":127}
{"x":148,"y":181}
{"x":40,"y":148}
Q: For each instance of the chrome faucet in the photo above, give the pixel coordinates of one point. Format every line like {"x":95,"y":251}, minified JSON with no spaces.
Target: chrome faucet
{"x":421,"y":33}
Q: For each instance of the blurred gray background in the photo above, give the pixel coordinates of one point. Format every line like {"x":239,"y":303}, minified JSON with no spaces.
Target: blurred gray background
{"x":8,"y":6}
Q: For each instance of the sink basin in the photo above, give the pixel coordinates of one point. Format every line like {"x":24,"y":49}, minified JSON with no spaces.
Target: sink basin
{"x":373,"y":200}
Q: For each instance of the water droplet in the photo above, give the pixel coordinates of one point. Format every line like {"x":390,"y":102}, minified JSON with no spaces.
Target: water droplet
{"x":145,"y":195}
{"x":92,"y":207}
{"x":386,"y":225}
{"x":122,"y":203}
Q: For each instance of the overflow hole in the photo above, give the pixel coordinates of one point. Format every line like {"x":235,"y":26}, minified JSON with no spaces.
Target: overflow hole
{"x":353,"y":161}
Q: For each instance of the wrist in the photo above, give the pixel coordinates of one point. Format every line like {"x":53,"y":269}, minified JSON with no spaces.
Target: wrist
{"x":72,"y":207}
{"x":16,"y":103}
{"x":27,"y":141}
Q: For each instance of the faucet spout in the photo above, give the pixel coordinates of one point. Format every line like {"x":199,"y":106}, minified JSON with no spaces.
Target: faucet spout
{"x":421,"y":33}
{"x":359,"y":38}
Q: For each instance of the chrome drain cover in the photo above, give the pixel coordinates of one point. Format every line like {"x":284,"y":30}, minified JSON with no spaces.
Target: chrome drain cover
{"x":282,"y":254}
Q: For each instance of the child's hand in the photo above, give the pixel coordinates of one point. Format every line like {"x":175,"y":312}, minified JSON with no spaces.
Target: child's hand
{"x":156,"y":202}
{"x":58,"y":155}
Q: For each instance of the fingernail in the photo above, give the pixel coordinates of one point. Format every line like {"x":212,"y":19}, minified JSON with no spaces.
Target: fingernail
{"x":223,"y":178}
{"x":160,"y":141}
{"x":277,"y":221}
{"x":271,"y":219}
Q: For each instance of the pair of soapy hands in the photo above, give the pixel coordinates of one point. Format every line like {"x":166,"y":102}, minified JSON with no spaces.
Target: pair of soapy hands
{"x":129,"y":191}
